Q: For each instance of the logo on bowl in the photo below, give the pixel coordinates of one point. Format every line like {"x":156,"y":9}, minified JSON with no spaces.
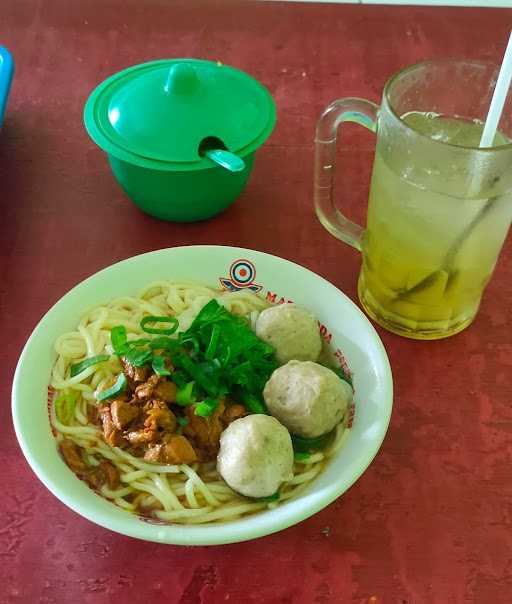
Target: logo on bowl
{"x":242,"y":274}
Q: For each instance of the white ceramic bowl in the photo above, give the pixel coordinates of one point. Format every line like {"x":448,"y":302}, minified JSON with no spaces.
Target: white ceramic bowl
{"x":351,"y":332}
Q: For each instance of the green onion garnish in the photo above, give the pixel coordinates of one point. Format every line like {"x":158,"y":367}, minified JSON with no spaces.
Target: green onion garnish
{"x":301,"y":456}
{"x":253,"y":404}
{"x":158,"y":365}
{"x":65,"y":407}
{"x":305,"y":445}
{"x":182,"y":421}
{"x":269,"y":499}
{"x":185,"y":395}
{"x":224,"y":362}
{"x":342,"y":375}
{"x":79,"y":367}
{"x":207,"y":407}
{"x":118,"y":339}
{"x":164,"y":331}
{"x":212,"y":346}
{"x":117,"y":388}
{"x":164,"y":343}
{"x":188,"y":339}
{"x":179,"y":379}
{"x":137,"y":358}
{"x":197,"y":374}
{"x":139,"y":342}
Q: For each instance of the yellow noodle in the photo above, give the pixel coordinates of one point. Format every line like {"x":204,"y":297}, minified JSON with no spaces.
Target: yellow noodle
{"x":82,"y":419}
{"x":306,"y":476}
{"x":207,"y":494}
{"x":160,"y":481}
{"x":124,"y":504}
{"x":91,"y":460}
{"x":181,"y":515}
{"x":115,"y":494}
{"x":189,"y":492}
{"x":162,"y":498}
{"x":131,"y":476}
{"x":228,"y":512}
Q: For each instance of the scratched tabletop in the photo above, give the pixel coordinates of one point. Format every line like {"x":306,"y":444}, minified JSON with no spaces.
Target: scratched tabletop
{"x":430,"y":521}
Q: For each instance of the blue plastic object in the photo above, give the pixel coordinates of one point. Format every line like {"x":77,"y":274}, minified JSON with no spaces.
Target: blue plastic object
{"x":6,"y":73}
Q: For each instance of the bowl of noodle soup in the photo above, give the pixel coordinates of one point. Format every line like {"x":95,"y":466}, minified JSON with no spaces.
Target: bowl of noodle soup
{"x":186,"y":503}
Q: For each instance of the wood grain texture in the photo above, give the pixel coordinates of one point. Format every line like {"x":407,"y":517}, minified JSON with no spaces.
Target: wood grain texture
{"x":430,"y":521}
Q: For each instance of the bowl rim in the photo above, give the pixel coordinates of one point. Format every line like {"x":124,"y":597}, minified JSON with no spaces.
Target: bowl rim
{"x":208,"y":534}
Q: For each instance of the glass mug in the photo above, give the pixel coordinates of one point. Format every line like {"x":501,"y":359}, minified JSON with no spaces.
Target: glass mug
{"x":439,"y":207}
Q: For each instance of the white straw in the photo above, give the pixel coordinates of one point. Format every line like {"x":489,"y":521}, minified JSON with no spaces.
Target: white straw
{"x":498,"y":98}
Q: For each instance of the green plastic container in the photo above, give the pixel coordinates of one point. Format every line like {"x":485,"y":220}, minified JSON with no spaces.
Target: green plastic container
{"x":156,"y":120}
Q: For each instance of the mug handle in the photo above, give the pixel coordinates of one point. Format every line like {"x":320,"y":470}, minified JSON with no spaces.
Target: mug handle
{"x":361,"y":112}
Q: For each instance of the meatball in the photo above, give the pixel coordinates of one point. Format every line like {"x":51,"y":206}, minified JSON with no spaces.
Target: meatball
{"x":291,"y":331}
{"x":256,"y":455}
{"x":308,"y":398}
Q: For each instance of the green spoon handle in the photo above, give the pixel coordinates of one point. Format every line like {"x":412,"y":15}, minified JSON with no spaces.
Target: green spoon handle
{"x":226,"y":159}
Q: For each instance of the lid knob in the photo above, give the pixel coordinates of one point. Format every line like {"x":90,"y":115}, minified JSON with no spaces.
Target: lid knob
{"x":182,"y":79}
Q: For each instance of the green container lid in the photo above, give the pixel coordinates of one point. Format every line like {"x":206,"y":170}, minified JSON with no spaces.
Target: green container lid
{"x":163,"y":113}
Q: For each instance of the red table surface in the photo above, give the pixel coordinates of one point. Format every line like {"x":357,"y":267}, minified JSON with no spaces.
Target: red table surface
{"x":430,"y":520}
